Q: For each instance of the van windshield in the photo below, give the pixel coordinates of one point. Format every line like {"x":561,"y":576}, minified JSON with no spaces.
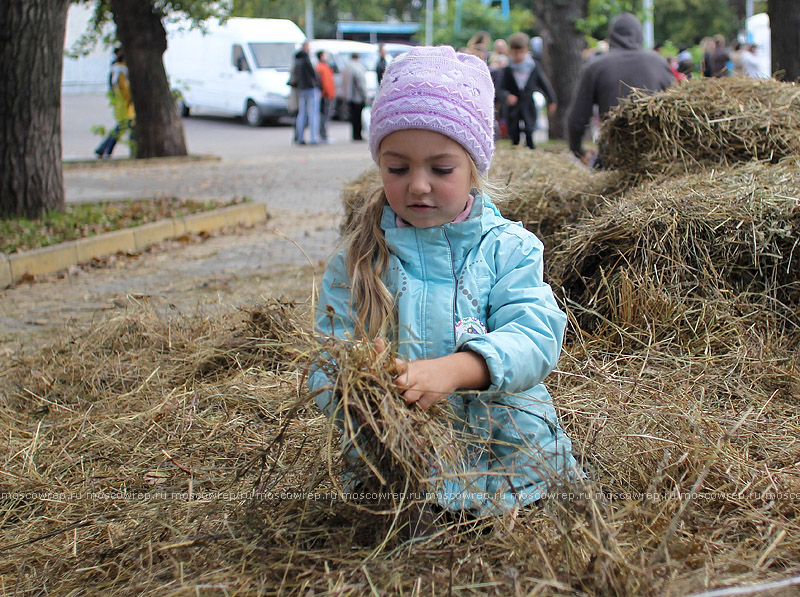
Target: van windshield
{"x":368,"y":59}
{"x":277,"y":55}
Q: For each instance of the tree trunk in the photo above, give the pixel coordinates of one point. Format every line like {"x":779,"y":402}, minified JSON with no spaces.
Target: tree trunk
{"x":562,"y":47}
{"x":31,"y":60}
{"x":159,"y":129}
{"x":784,"y":20}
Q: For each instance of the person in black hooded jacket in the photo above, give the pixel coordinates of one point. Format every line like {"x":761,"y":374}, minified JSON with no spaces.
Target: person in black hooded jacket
{"x":608,"y":78}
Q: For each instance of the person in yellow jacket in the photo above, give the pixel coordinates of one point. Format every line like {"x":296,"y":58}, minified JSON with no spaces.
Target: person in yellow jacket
{"x":122,"y":102}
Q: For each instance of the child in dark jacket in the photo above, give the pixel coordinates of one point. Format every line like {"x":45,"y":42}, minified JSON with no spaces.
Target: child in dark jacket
{"x":519,"y":81}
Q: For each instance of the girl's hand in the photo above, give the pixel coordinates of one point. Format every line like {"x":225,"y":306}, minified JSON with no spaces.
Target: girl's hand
{"x":380,"y":346}
{"x":426,"y":382}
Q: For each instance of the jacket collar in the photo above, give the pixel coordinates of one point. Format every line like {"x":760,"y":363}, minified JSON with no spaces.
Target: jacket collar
{"x":405,"y":242}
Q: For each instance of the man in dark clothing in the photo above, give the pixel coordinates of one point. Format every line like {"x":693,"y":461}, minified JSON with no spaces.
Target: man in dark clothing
{"x":518,"y":82}
{"x":304,"y":80}
{"x":608,"y":78}
{"x":380,"y":68}
{"x":719,"y":58}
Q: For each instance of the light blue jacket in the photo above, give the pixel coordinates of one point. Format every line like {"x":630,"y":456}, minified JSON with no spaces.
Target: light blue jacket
{"x":476,"y":285}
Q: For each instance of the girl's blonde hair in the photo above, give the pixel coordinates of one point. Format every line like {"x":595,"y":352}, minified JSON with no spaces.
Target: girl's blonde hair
{"x":368,"y":259}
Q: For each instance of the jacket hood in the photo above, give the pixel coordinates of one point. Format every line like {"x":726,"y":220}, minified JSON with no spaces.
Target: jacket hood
{"x":625,"y":32}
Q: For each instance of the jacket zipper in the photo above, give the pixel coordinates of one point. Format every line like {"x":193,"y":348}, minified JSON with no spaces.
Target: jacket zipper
{"x":465,"y":398}
{"x":455,"y":284}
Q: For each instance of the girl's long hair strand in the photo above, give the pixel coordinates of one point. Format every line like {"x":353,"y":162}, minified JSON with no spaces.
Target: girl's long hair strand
{"x":367,"y":260}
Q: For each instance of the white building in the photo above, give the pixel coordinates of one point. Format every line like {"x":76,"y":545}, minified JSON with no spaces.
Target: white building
{"x":87,"y":74}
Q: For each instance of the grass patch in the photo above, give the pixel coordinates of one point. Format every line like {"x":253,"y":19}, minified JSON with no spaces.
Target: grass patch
{"x":81,"y":220}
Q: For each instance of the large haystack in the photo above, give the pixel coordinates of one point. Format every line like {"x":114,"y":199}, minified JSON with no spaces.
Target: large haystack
{"x":169,"y":484}
{"x":703,"y":123}
{"x":709,"y":238}
{"x":168,"y":453}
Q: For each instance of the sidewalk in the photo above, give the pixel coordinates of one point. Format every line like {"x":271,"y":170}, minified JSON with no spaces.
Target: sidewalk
{"x":277,"y":258}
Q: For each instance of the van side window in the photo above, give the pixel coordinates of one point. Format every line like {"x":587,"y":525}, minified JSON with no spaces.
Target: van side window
{"x":239,"y":61}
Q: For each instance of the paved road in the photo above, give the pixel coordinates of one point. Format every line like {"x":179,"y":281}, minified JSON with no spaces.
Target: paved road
{"x":259,"y":163}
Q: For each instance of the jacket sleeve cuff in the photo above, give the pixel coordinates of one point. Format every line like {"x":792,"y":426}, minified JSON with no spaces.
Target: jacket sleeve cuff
{"x":477,"y":343}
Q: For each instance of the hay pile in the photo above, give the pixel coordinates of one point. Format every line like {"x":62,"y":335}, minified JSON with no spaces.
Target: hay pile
{"x":703,"y":123}
{"x":128,"y":473}
{"x":118,"y":455}
{"x":548,"y":191}
{"x":660,"y":257}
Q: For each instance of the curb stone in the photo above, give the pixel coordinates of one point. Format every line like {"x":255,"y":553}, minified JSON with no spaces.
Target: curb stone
{"x":82,"y":164}
{"x":62,"y":256}
{"x":5,"y":271}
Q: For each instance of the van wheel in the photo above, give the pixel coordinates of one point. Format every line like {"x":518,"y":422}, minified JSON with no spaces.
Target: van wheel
{"x":183,"y":109}
{"x":252,"y":114}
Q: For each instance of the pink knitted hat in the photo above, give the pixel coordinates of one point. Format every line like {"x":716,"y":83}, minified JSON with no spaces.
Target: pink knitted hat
{"x":437,"y":89}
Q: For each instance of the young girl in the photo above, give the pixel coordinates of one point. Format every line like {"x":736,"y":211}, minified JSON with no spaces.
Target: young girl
{"x":432,"y":266}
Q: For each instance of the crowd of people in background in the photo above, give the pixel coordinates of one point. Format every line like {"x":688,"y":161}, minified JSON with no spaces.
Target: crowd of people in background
{"x":524,"y":96}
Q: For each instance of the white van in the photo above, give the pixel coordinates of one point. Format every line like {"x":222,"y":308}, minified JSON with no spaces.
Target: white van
{"x":340,"y":51}
{"x":238,"y":68}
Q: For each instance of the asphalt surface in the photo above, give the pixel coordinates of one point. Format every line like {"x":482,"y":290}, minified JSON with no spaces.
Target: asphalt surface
{"x":258,"y":163}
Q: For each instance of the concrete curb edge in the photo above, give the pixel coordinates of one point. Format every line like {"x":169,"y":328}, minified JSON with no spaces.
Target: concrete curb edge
{"x":89,"y":163}
{"x":5,"y":271}
{"x":48,"y":260}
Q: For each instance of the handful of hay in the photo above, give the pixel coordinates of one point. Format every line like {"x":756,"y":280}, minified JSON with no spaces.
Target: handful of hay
{"x":703,"y":123}
{"x":400,"y":446}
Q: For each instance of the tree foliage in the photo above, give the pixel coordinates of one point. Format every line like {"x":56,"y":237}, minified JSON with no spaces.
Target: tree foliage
{"x":679,"y":21}
{"x":327,"y":12}
{"x":475,"y":16}
{"x":196,"y":10}
{"x":689,"y":21}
